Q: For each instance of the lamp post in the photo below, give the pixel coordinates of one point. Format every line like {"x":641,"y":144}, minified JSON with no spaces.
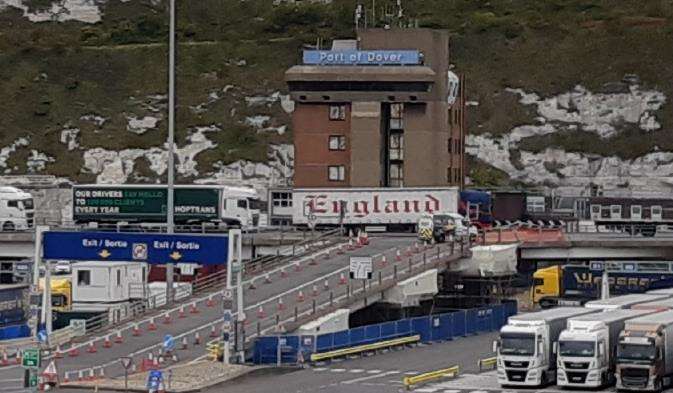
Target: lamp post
{"x":170,"y":202}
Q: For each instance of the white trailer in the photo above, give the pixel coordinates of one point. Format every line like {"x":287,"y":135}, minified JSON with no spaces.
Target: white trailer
{"x":658,"y":305}
{"x":525,"y":355}
{"x":645,"y":353}
{"x":585,"y":347}
{"x":17,"y":210}
{"x":377,"y":208}
{"x":625,"y":301}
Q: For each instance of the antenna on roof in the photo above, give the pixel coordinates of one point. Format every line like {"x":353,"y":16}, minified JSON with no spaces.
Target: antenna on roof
{"x":358,"y":16}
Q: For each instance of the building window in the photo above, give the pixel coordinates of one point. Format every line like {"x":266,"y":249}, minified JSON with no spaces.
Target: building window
{"x":337,"y":142}
{"x":281,"y":199}
{"x":337,"y":112}
{"x":83,"y":278}
{"x":397,"y":175}
{"x":336,"y":172}
{"x":449,"y":174}
{"x":396,"y":150}
{"x":396,"y":114}
{"x":119,"y":278}
{"x":450,"y":146}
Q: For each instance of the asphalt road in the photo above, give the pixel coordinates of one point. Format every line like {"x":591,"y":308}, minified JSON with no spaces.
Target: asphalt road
{"x":265,"y":295}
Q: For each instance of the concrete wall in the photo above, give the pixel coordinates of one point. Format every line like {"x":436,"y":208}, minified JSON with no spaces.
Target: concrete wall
{"x":365,"y":149}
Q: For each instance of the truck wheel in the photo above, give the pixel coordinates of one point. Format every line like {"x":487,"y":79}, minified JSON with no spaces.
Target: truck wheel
{"x":8,"y":226}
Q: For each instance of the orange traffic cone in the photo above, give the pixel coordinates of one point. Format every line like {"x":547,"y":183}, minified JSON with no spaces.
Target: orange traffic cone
{"x":260,"y":312}
{"x":314,"y":290}
{"x":281,"y":305}
{"x":326,"y":285}
{"x":107,"y":343}
{"x":152,"y":326}
{"x":213,"y":332}
{"x":300,"y":296}
{"x":136,"y":330}
{"x":384,"y":261}
{"x":91,"y":347}
{"x":210,"y":302}
{"x":342,"y":279}
{"x":118,"y":338}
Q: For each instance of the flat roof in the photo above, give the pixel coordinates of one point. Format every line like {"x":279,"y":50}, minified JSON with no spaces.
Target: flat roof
{"x":308,"y":73}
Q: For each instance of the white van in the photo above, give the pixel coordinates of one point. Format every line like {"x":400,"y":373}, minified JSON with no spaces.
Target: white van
{"x":17,"y":211}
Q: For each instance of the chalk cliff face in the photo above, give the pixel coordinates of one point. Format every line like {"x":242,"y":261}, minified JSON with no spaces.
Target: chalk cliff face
{"x":574,"y":172}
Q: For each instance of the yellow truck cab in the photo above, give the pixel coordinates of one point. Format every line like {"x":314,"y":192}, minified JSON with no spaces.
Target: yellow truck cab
{"x":61,"y":293}
{"x":547,"y":285}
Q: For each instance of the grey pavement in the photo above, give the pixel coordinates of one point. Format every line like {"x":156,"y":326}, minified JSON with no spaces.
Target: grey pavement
{"x":265,"y":294}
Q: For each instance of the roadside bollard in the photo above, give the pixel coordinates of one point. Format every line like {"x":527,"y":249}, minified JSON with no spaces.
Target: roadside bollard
{"x":380,"y":278}
{"x":296,"y":314}
{"x":313,"y":305}
{"x":395,"y":272}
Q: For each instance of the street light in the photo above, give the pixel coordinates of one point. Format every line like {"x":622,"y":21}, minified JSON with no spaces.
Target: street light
{"x":170,"y":219}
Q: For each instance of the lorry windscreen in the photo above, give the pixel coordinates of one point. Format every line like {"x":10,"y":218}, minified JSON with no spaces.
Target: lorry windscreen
{"x":631,"y":352}
{"x":517,"y":344}
{"x":27,"y":204}
{"x":577,"y":348}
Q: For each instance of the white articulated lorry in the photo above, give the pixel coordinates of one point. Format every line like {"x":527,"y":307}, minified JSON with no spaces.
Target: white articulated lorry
{"x":624,"y":301}
{"x":376,"y":208}
{"x":524,"y":350}
{"x":586,"y":348}
{"x":17,"y":210}
{"x":645,"y":353}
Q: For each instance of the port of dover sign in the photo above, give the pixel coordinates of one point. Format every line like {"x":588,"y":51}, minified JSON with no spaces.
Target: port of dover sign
{"x":136,"y":247}
{"x":362,"y":57}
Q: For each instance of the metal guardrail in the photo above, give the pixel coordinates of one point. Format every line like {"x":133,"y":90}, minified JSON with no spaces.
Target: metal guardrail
{"x":364,"y":348}
{"x":214,"y":350}
{"x":450,"y":372}
{"x":487,"y":363}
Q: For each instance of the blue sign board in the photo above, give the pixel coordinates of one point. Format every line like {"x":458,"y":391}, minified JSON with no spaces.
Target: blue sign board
{"x":169,"y":343}
{"x":155,"y":380}
{"x":135,"y":247}
{"x":362,"y":57}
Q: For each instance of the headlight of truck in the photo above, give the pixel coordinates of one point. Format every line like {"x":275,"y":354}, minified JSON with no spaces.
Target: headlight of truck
{"x":592,"y":376}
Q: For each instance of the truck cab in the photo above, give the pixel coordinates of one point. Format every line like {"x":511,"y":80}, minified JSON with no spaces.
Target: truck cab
{"x":17,"y":210}
{"x":240,"y":206}
{"x":547,"y":286}
{"x":443,"y":226}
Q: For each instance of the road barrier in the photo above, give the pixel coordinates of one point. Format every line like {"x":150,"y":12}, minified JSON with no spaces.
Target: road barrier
{"x":365,"y":348}
{"x":215,"y":351}
{"x":450,"y":372}
{"x":487,"y":363}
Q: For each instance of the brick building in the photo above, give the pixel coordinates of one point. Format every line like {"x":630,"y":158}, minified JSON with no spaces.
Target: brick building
{"x":379,"y":111}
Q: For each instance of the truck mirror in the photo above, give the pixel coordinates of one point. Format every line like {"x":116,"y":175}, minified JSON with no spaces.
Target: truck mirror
{"x":601,"y":349}
{"x":495,"y":346}
{"x":554,"y":347}
{"x":540,"y":348}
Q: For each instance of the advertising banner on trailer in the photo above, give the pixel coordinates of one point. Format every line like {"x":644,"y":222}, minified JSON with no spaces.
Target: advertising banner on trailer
{"x":371,"y":205}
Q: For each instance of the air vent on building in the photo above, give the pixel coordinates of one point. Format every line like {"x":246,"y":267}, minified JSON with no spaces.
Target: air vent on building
{"x":326,"y":98}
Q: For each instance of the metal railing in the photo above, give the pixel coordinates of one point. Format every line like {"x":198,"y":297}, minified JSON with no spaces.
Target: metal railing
{"x":359,"y":349}
{"x":450,"y":372}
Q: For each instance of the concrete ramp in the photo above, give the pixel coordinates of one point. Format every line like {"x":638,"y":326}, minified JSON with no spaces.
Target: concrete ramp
{"x":330,"y":323}
{"x":410,"y":292}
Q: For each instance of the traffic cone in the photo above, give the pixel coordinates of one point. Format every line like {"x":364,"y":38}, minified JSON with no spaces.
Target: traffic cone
{"x":133,"y":368}
{"x":210,"y":302}
{"x":101,"y":373}
{"x":197,"y":338}
{"x":136,"y":330}
{"x":92,"y":376}
{"x":213,"y":332}
{"x":350,"y":245}
{"x":297,"y":267}
{"x":184,"y":342}
{"x":300,"y":296}
{"x":91,"y":348}
{"x":365,"y":241}
{"x":66,"y":377}
{"x":416,"y":248}
{"x":152,"y":326}
{"x":74,"y":351}
{"x":314,"y":290}
{"x":107,"y":343}
{"x":283,"y":273}
{"x":260,"y":312}
{"x":342,"y":279}
{"x":326,"y":285}
{"x":118,"y":338}
{"x":326,"y":255}
{"x":155,"y":363}
{"x":312,"y":262}
{"x":19,"y":357}
{"x":408,"y":252}
{"x":80,"y":375}
{"x":193,"y":309}
{"x":384,"y":261}
{"x":281,"y":305}
{"x":267,"y":279}
{"x":340,"y":249}
{"x":181,"y":312}
{"x":167,"y":319}
{"x":5,"y":360}
{"x":252,"y":286}
{"x":398,"y":257}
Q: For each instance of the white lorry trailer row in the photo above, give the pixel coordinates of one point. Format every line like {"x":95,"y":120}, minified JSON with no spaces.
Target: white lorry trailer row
{"x":525,"y":354}
{"x":378,"y":207}
{"x":645,"y":353}
{"x":625,"y":301}
{"x":585,"y":349}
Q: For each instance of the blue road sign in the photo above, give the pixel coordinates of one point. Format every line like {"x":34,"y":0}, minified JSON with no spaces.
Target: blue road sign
{"x":169,"y":343}
{"x":42,"y":336}
{"x":143,"y":247}
{"x":155,"y":380}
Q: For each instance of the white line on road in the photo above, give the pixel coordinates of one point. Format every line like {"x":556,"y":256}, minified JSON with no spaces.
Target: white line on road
{"x":356,"y":380}
{"x":338,"y":370}
{"x":373,"y":371}
{"x":356,"y":371}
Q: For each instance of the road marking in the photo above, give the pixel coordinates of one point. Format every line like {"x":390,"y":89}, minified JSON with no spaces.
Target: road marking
{"x":426,"y":390}
{"x":356,"y":371}
{"x":356,"y":380}
{"x":373,"y":371}
{"x":319,"y":369}
{"x":338,"y":370}
{"x":411,"y":373}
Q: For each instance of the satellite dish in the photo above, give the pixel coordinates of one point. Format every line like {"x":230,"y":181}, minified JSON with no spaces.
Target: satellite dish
{"x":453,"y":86}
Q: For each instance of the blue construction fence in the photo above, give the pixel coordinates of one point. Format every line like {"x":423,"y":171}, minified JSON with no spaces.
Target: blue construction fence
{"x":437,"y":327}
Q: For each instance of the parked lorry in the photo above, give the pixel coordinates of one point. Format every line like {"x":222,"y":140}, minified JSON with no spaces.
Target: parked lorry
{"x":17,"y":211}
{"x":586,"y":348}
{"x":624,"y":301}
{"x":525,"y":355}
{"x":146,"y":204}
{"x":374,"y":209}
{"x":14,"y":311}
{"x":645,"y":353}
{"x":575,"y":284}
